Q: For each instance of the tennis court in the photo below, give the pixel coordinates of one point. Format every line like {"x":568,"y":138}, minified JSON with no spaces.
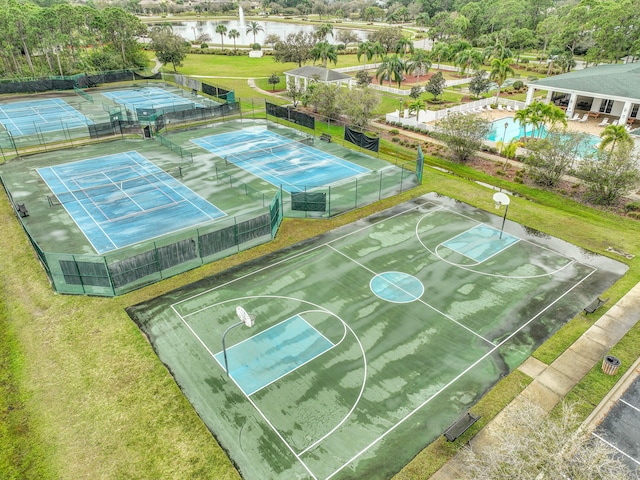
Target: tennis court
{"x":369,"y":341}
{"x":52,"y":114}
{"x":122,"y":199}
{"x":148,"y":100}
{"x":292,"y":165}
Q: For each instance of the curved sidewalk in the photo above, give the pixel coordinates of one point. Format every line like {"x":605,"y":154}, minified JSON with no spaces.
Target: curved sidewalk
{"x":552,"y":382}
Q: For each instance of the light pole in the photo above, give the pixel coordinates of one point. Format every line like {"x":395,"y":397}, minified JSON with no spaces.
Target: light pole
{"x":504,"y":134}
{"x":245,"y":319}
{"x":501,"y":199}
{"x":400,"y":109}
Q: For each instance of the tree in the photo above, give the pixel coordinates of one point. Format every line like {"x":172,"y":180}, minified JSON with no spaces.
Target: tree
{"x":359,"y":105}
{"x":254,"y":28}
{"x":295,"y":48}
{"x":365,"y":50}
{"x":404,"y":46}
{"x":435,"y":86}
{"x":415,"y":92}
{"x":479,"y":83}
{"x":347,"y":37}
{"x":611,"y":175}
{"x":234,"y":34}
{"x":323,"y":30}
{"x":549,"y":158}
{"x":615,"y":134}
{"x":441,"y":51}
{"x":222,"y":30}
{"x":273,"y":80}
{"x":416,"y":106}
{"x":294,"y":91}
{"x":537,"y":445}
{"x":419,"y":63}
{"x":391,"y":68}
{"x":463,"y":135}
{"x":388,"y":37}
{"x":326,"y":99}
{"x":169,"y":47}
{"x":363,"y":79}
{"x":324,"y":51}
{"x":500,"y":71}
{"x":467,"y":60}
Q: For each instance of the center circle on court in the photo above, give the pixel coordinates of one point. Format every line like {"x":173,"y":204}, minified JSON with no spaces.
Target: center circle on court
{"x":396,"y":287}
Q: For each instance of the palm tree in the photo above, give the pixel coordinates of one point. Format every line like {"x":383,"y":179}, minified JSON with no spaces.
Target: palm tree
{"x":222,"y":30}
{"x":415,"y":106}
{"x":420,"y":62}
{"x":377,"y":50}
{"x":615,"y":134}
{"x":392,"y":67}
{"x":254,"y":28}
{"x":324,"y":51}
{"x":468,"y":59}
{"x":500,"y":71}
{"x":364,"y":49}
{"x":233,"y":34}
{"x":324,"y":30}
{"x":553,"y":115}
{"x":403,"y":46}
{"x":441,"y":50}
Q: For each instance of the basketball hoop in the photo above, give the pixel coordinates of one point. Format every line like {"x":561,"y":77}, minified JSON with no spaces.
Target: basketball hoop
{"x":245,"y":317}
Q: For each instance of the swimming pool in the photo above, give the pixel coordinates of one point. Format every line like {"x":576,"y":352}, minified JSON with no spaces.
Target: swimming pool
{"x":514,"y":129}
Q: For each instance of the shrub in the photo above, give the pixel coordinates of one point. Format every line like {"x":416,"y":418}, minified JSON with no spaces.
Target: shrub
{"x":634,"y":215}
{"x":394,"y":131}
{"x":518,"y":85}
{"x":632,"y":207}
{"x":524,"y":60}
{"x":204,"y":45}
{"x":518,"y":180}
{"x":395,"y":139}
{"x":256,"y":46}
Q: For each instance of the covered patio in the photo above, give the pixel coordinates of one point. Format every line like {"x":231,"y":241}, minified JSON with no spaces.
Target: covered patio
{"x":602,"y":95}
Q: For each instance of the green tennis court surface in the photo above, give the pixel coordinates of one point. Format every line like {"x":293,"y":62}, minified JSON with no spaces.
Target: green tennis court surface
{"x":368,"y":341}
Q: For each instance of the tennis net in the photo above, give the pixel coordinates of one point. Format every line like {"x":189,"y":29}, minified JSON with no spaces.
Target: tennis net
{"x":103,"y":193}
{"x":255,"y":153}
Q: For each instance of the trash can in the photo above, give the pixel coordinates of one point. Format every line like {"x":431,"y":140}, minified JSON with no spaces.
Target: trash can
{"x":610,"y":364}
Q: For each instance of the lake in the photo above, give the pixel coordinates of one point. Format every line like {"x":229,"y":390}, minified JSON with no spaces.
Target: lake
{"x":191,"y":29}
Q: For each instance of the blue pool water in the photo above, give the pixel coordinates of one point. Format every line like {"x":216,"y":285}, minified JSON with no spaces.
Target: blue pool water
{"x":515,"y":130}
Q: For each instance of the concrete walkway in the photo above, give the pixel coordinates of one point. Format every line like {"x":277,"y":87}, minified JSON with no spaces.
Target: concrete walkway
{"x":552,"y":382}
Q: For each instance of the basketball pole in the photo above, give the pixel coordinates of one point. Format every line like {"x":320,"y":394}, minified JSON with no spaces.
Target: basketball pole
{"x":224,"y":349}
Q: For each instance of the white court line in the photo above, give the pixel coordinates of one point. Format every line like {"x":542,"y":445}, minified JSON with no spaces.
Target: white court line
{"x":478,"y":262}
{"x":304,"y":252}
{"x":275,"y":430}
{"x":382,"y":220}
{"x":107,"y":237}
{"x":464,"y":372}
{"x":615,"y":448}
{"x":155,"y":171}
{"x":570,"y":262}
{"x":418,"y":299}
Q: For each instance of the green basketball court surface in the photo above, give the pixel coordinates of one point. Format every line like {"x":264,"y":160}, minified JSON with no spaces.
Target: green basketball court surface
{"x":369,"y":341}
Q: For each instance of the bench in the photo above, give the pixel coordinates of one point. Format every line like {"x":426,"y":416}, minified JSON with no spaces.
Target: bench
{"x":325,"y":137}
{"x":460,"y":426}
{"x":22,"y":210}
{"x":597,"y":303}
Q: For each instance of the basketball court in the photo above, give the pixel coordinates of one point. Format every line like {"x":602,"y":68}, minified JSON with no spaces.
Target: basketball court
{"x":368,"y":342}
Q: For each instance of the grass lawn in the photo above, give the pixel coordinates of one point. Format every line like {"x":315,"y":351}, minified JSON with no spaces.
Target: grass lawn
{"x":83,"y":395}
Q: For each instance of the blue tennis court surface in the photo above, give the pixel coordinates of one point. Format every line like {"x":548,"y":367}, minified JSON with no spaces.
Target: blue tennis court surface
{"x":480,"y":243}
{"x":123,"y":199}
{"x":52,"y":114}
{"x":279,"y":160}
{"x":148,"y":100}
{"x":273,"y":353}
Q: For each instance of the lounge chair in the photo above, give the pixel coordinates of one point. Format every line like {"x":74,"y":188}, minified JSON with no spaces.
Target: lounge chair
{"x":500,"y":107}
{"x":509,"y":108}
{"x":575,"y":118}
{"x":628,"y":128}
{"x":604,"y":122}
{"x":614,"y":123}
{"x":489,"y":109}
{"x":584,"y":118}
